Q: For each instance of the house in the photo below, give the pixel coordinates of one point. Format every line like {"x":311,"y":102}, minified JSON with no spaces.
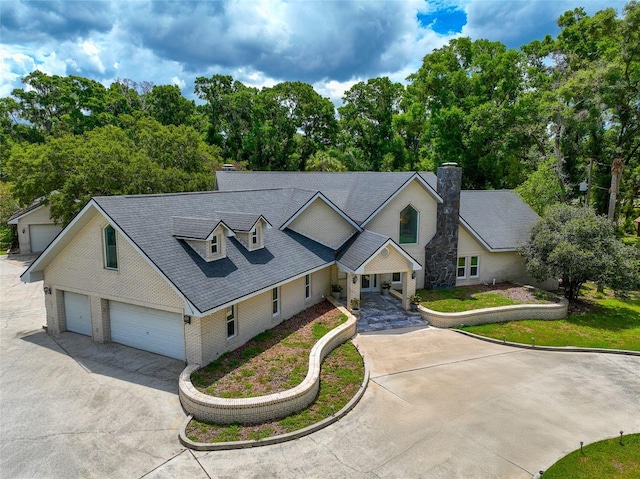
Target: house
{"x":193,"y":275}
{"x":35,"y":227}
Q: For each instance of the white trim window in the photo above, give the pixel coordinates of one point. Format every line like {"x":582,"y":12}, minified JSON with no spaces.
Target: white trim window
{"x":396,"y":278}
{"x":254,"y":237}
{"x":232,"y":325}
{"x":307,"y":286}
{"x":275,"y":301}
{"x":215,"y":247}
{"x":468,"y":266}
{"x":474,"y":267}
{"x":408,"y":229}
{"x":462,"y":267}
{"x":110,"y":248}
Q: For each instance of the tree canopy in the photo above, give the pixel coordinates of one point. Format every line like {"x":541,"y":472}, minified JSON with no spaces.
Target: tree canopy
{"x":577,"y":245}
{"x":542,"y":119}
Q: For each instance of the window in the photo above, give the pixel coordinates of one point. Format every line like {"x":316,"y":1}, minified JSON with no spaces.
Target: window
{"x":254,"y":236}
{"x":110,"y":250}
{"x":396,"y":278}
{"x":307,"y":286}
{"x":231,"y":321}
{"x":214,"y":245}
{"x":474,"y":267}
{"x":276,"y":301}
{"x":408,"y":225}
{"x":462,"y":267}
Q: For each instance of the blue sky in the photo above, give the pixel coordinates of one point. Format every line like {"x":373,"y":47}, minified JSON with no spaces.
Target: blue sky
{"x":330,"y":44}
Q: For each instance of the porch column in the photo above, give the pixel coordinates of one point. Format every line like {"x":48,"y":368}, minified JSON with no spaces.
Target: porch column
{"x":408,"y":289}
{"x":353,"y":289}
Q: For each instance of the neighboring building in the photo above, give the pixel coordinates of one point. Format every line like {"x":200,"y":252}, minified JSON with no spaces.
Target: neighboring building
{"x":194,"y":275}
{"x":35,"y":227}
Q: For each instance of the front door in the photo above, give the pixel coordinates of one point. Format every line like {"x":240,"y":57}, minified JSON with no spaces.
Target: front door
{"x":369,"y":282}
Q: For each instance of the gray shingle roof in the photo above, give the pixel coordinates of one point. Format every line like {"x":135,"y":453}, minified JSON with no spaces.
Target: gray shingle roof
{"x":360,"y":248}
{"x":499,"y":217}
{"x":240,"y":221}
{"x":148,"y":221}
{"x":358,"y":194}
{"x":193,"y":228}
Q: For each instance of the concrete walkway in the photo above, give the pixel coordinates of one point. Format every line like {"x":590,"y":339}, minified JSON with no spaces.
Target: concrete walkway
{"x":379,"y":312}
{"x":439,"y":405}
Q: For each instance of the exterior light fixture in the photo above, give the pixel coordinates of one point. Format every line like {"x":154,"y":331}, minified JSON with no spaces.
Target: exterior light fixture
{"x":47,"y":290}
{"x":413,"y":275}
{"x":355,"y":279}
{"x":187,"y":319}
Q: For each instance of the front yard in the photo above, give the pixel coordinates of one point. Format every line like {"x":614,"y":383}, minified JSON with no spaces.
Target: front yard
{"x":595,"y":321}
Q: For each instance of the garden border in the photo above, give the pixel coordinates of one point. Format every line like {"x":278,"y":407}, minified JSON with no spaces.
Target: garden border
{"x":289,"y":436}
{"x":562,"y":349}
{"x":272,"y":406}
{"x":499,"y":314}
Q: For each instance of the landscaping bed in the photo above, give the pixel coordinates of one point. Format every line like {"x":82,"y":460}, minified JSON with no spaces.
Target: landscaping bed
{"x":596,"y":320}
{"x":341,"y":376}
{"x":273,"y":361}
{"x":469,"y":298}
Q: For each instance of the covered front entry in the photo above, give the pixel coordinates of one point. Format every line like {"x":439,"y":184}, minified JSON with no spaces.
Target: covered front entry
{"x":373,"y":262}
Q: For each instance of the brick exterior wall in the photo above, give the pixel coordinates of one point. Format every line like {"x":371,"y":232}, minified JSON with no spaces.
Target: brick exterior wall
{"x":264,"y":408}
{"x":322,"y":224}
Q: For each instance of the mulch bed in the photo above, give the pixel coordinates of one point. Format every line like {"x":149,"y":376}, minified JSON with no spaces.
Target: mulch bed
{"x":273,"y":361}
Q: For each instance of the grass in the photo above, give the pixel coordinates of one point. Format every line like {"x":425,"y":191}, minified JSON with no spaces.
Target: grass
{"x":273,"y":361}
{"x":468,"y":298}
{"x":615,"y":458}
{"x":341,"y":375}
{"x":598,"y":321}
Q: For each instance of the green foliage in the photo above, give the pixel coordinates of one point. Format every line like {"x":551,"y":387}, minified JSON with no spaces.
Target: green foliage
{"x":577,"y":245}
{"x":542,"y":188}
{"x":615,"y":458}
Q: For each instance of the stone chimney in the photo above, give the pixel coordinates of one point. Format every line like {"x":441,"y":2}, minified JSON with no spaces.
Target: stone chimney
{"x":441,"y":253}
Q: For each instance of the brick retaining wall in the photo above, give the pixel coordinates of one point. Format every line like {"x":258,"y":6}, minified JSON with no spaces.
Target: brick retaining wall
{"x":264,"y":408}
{"x":516,"y":312}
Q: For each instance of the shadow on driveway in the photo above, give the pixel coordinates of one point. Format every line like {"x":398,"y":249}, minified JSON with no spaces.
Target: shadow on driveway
{"x":114,"y":360}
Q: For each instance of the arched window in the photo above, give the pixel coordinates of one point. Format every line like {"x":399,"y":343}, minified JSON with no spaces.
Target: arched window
{"x":409,"y":225}
{"x":110,"y":250}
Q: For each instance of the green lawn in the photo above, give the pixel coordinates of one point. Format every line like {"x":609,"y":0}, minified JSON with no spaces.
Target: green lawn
{"x":468,"y":298}
{"x":605,"y":322}
{"x":613,"y":458}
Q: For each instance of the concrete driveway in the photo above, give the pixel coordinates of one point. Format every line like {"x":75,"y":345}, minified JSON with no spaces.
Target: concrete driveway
{"x":439,"y":405}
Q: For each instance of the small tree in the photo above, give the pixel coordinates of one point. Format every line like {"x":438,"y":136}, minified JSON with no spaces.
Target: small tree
{"x":575,"y":244}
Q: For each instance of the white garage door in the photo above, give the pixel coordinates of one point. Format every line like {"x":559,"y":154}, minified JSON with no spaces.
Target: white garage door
{"x":149,"y":329}
{"x":77,"y":314}
{"x":41,"y":235}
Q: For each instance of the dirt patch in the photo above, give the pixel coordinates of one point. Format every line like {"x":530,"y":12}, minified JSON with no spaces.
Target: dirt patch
{"x":273,"y":361}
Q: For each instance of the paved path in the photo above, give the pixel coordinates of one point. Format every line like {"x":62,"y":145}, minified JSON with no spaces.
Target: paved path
{"x":379,"y":312}
{"x":439,"y":405}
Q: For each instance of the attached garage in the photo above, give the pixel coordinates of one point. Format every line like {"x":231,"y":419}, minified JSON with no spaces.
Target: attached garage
{"x":77,"y":313}
{"x":153,"y":330}
{"x":42,"y":235}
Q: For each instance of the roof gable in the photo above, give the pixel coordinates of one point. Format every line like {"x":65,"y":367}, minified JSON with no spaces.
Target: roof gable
{"x":364,"y":248}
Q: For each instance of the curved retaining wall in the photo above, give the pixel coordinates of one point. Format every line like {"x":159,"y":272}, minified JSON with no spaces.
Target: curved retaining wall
{"x":264,"y":408}
{"x":516,"y":312}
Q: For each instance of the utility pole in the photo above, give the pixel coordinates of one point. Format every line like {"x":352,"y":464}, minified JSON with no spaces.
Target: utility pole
{"x":616,"y":173}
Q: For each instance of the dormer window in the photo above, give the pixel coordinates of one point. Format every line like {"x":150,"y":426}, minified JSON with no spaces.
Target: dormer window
{"x":254,"y":237}
{"x":214,"y":245}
